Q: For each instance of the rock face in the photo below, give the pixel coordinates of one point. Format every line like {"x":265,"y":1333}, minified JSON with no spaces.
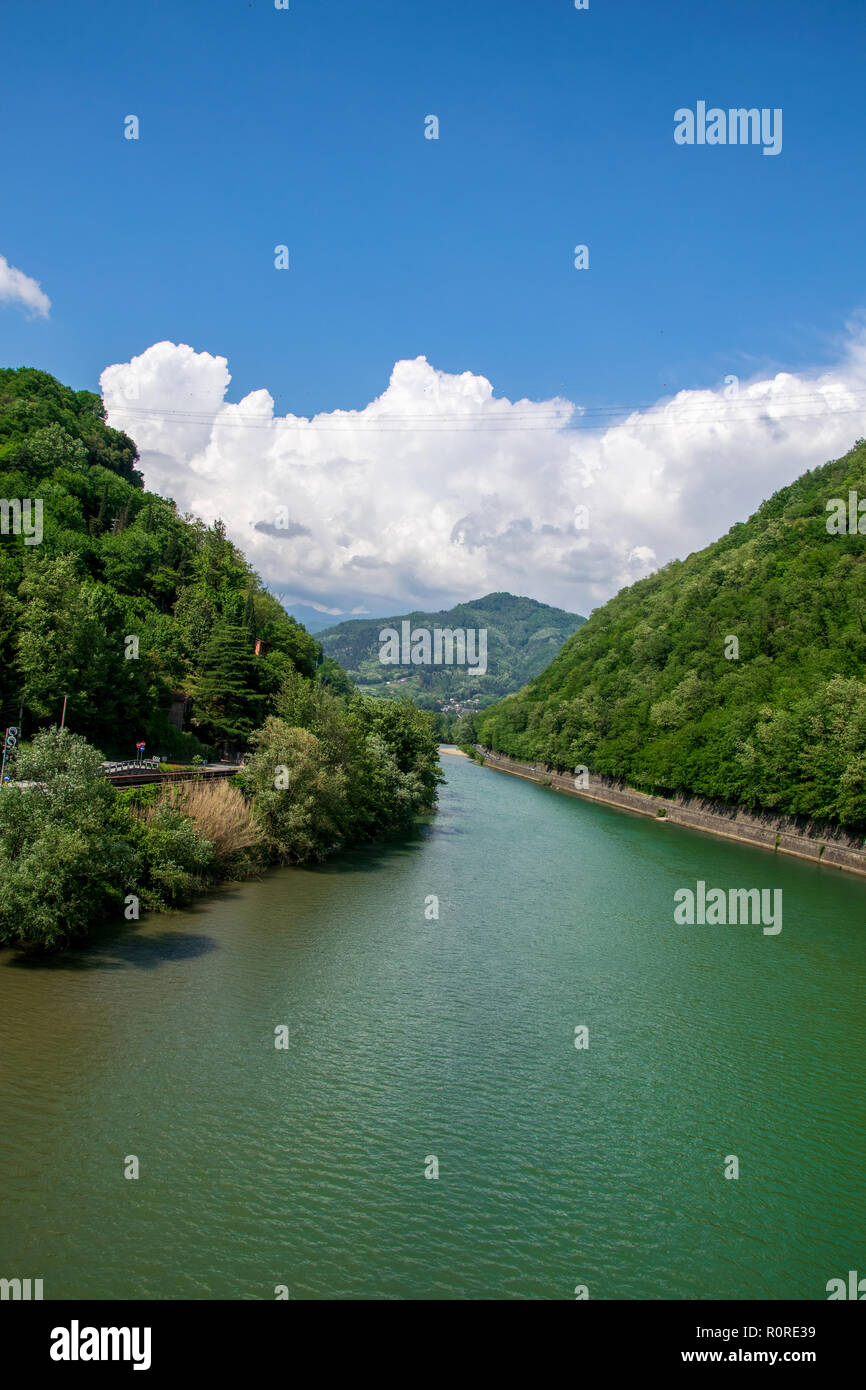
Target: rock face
{"x":786,"y":834}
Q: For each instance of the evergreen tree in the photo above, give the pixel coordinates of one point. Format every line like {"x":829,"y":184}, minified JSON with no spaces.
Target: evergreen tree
{"x":227,"y":697}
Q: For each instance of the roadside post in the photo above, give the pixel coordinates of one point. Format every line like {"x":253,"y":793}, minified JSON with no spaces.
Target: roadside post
{"x":10,"y":739}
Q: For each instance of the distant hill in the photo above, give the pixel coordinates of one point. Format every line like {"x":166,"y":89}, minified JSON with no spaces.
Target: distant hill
{"x":737,"y":673}
{"x":310,"y":617}
{"x":523,"y":636}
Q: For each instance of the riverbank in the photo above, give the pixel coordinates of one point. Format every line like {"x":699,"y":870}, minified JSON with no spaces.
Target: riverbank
{"x":781,"y":834}
{"x":331,"y":775}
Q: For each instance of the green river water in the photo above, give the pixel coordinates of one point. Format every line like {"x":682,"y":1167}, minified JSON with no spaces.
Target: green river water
{"x":410,"y":1037}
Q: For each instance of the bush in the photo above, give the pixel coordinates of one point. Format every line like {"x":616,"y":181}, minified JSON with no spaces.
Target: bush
{"x":298,"y":799}
{"x":64,"y":865}
{"x":330,"y":773}
{"x":174,"y":859}
{"x":72,"y":848}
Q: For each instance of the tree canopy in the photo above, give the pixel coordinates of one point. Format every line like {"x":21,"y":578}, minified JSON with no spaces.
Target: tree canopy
{"x":120,"y":604}
{"x":523,"y":636}
{"x":653,"y":690}
{"x":117,"y":562}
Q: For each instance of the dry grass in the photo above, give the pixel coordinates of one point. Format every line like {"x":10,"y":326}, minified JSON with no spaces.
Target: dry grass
{"x":220,"y":813}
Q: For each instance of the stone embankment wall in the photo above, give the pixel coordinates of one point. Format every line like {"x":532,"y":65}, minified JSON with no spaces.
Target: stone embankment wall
{"x":786,"y":834}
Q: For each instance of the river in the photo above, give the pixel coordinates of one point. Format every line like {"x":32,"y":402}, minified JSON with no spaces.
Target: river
{"x":411,"y":1037}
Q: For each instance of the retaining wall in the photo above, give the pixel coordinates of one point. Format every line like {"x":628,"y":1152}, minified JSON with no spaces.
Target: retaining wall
{"x":784,"y":834}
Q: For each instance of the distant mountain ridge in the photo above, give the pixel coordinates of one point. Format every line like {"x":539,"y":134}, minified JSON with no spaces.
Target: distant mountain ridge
{"x":523,"y":637}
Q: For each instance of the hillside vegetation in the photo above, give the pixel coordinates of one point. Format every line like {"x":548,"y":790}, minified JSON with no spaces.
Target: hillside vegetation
{"x":119,"y":602}
{"x":115,"y":562}
{"x":522,"y":637}
{"x":645,"y":692}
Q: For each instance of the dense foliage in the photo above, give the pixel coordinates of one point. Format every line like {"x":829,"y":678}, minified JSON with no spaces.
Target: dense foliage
{"x":116,"y":562}
{"x":64,"y":863}
{"x":326,"y":773}
{"x":522,"y":637}
{"x":644,"y":691}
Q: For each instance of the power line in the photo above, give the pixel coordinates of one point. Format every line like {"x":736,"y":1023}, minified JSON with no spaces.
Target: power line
{"x":570,"y":427}
{"x":658,"y":417}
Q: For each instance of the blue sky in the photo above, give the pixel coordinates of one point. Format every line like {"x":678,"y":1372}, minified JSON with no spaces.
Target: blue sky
{"x":306,"y":128}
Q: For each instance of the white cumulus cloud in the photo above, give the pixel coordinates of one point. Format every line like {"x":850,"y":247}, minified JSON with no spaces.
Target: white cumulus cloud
{"x":18,"y":288}
{"x":439,"y":491}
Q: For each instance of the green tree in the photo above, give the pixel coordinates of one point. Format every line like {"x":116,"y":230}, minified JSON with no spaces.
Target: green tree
{"x":63,"y":865}
{"x":227,"y":697}
{"x":298,"y":797}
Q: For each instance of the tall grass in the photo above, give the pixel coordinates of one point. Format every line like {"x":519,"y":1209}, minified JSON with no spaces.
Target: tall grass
{"x":220,"y":813}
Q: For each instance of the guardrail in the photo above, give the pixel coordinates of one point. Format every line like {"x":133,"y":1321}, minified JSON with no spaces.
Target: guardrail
{"x":139,"y":775}
{"x":146,"y":764}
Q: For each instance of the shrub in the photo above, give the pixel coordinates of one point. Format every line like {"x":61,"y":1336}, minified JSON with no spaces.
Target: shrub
{"x":64,"y":864}
{"x":298,"y":799}
{"x":175,"y":859}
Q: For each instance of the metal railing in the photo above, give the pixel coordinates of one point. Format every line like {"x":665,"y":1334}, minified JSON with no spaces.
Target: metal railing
{"x":143,"y":765}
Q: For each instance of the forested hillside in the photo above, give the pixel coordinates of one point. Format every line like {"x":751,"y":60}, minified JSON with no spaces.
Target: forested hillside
{"x":118,"y":603}
{"x":116,"y":562}
{"x":652,"y":689}
{"x":522,"y":637}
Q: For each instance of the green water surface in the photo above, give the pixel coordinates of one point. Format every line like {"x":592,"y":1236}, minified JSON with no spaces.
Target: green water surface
{"x":411,"y":1037}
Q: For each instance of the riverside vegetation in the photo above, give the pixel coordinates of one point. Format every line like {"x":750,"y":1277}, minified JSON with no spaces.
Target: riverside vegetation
{"x":74,"y":851}
{"x":735,"y":674}
{"x":325,"y":766}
